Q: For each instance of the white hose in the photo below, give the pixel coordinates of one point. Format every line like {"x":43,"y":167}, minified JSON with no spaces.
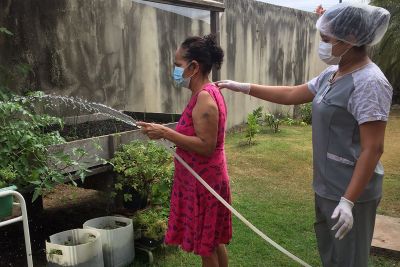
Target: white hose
{"x":235,"y":212}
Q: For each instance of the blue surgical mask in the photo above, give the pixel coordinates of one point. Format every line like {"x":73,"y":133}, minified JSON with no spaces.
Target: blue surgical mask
{"x":178,"y":77}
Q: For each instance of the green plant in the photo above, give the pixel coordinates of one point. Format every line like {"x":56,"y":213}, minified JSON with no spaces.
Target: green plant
{"x":292,"y":122}
{"x":289,"y":121}
{"x":5,"y":31}
{"x":160,"y":192}
{"x":252,"y":128}
{"x":258,"y":113}
{"x":152,"y":223}
{"x":305,"y":112}
{"x":272,"y":121}
{"x":145,"y":167}
{"x":7,"y":176}
{"x":25,"y":158}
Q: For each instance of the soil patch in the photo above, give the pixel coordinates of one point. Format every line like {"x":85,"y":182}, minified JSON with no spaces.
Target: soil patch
{"x":91,"y":129}
{"x":67,"y":207}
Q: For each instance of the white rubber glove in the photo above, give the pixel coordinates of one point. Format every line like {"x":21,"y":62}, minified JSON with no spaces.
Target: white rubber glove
{"x":234,"y":86}
{"x":345,"y":222}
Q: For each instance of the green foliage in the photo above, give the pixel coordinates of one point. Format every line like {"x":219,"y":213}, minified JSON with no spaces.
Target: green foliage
{"x":258,"y":113}
{"x":257,"y":121}
{"x":25,"y":158}
{"x":387,"y":53}
{"x":272,"y":121}
{"x":152,"y":223}
{"x":305,"y":111}
{"x":147,"y":168}
{"x":5,"y":31}
{"x":252,"y":128}
{"x":289,"y":121}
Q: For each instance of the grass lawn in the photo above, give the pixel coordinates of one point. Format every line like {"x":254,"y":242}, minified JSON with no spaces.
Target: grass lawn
{"x":271,"y":187}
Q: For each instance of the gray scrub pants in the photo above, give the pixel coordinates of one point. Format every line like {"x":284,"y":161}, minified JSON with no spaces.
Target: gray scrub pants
{"x":353,"y":250}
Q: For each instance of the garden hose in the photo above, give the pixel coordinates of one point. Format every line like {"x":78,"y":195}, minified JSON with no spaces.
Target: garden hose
{"x":235,"y":212}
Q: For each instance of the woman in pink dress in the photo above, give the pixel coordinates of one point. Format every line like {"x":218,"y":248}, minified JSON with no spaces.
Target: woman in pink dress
{"x":198,"y":222}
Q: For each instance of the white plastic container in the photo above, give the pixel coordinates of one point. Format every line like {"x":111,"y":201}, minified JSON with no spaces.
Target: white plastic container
{"x":75,"y":248}
{"x":117,"y":238}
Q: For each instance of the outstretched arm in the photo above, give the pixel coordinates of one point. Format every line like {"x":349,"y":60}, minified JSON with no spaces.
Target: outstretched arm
{"x":287,"y":95}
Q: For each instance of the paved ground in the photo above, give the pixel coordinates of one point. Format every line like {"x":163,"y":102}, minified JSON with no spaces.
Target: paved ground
{"x":387,"y":233}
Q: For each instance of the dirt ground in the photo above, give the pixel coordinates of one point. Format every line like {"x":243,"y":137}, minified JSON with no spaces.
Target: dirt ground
{"x":65,"y":208}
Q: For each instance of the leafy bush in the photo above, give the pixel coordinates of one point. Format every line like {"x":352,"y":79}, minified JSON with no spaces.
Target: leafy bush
{"x":151,"y":223}
{"x":258,"y":114}
{"x":252,"y":128}
{"x":25,"y":158}
{"x":272,"y":121}
{"x":147,"y":168}
{"x":289,"y":121}
{"x":306,"y":113}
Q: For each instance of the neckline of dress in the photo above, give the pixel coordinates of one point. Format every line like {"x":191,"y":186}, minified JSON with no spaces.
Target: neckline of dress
{"x":202,"y":89}
{"x":331,"y":79}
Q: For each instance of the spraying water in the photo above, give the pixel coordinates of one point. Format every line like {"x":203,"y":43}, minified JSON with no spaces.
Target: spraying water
{"x":54,"y":101}
{"x":77,"y":103}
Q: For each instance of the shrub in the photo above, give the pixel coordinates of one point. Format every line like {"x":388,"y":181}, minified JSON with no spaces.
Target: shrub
{"x":147,"y":168}
{"x":252,"y":128}
{"x":306,"y":113}
{"x":272,"y":121}
{"x":25,"y":158}
{"x":151,"y":223}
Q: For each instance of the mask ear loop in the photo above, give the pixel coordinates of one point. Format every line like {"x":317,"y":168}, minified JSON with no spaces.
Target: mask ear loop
{"x":188,"y":67}
{"x":344,"y":51}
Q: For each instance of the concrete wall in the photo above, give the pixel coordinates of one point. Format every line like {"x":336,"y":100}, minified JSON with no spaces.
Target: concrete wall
{"x":267,"y":44}
{"x":120,"y":53}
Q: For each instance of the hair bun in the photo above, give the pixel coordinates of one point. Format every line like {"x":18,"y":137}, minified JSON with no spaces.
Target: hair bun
{"x":204,"y":50}
{"x":210,"y":40}
{"x":217,"y":54}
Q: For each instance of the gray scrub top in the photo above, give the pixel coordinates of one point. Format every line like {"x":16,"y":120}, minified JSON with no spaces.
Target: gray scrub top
{"x":337,"y":111}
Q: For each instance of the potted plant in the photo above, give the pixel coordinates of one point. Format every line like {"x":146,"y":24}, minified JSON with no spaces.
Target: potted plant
{"x":142,"y":167}
{"x":150,"y":225}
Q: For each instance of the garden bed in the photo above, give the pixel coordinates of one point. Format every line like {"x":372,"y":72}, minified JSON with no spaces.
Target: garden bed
{"x":106,"y":135}
{"x":88,"y":126}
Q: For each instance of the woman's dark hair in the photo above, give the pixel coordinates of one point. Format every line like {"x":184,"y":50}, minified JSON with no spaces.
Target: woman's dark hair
{"x":204,"y":50}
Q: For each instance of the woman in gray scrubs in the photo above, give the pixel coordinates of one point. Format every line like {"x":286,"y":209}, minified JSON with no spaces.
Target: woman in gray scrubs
{"x":350,"y":107}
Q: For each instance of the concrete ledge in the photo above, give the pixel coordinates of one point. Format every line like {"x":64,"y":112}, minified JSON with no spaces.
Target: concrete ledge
{"x":386,"y":238}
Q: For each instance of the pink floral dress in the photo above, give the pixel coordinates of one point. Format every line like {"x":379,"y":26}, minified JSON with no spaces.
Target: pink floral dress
{"x":198,"y":222}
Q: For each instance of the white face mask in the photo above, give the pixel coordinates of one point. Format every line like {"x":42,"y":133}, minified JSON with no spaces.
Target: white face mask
{"x":325,"y":53}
